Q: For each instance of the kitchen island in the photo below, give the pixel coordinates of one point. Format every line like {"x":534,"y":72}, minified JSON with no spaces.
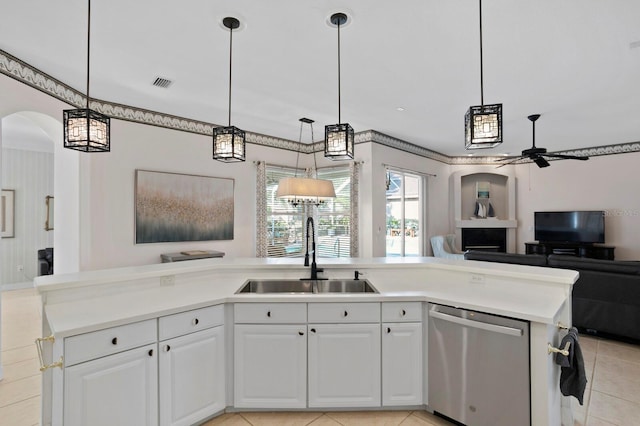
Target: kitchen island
{"x":149,"y":312}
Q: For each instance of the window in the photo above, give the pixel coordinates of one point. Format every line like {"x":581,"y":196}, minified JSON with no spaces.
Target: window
{"x":285,"y":223}
{"x":404,"y":214}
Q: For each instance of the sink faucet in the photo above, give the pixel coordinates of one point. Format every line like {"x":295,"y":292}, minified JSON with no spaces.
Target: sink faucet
{"x":314,"y":267}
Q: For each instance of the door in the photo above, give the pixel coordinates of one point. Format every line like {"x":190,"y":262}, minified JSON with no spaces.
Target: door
{"x":405,"y":214}
{"x":120,"y":389}
{"x":402,"y":364}
{"x":270,"y":365}
{"x":192,"y":377}
{"x":344,"y":365}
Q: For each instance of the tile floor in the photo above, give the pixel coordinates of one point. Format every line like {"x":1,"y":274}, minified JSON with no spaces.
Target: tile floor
{"x":612,"y":396}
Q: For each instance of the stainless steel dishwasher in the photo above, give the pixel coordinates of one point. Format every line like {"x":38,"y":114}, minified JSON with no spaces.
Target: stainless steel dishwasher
{"x":478,"y":367}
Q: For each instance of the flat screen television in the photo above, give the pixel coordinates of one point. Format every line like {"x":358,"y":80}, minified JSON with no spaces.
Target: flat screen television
{"x":582,"y":227}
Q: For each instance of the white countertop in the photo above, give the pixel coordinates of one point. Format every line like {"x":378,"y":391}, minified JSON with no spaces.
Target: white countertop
{"x":87,"y":301}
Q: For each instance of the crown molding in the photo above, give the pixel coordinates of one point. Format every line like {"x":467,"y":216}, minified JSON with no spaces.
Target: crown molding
{"x":33,"y":77}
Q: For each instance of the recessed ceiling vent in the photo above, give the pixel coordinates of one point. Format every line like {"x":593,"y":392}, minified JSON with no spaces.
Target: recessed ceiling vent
{"x":162,"y":82}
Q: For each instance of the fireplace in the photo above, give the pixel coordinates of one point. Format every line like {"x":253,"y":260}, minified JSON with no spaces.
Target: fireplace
{"x":487,"y":239}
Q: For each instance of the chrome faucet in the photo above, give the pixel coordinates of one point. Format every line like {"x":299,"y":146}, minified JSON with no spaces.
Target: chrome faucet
{"x":314,"y":267}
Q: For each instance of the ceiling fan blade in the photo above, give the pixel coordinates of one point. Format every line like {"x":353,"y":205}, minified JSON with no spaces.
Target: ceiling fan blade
{"x":567,"y":157}
{"x":541,"y":162}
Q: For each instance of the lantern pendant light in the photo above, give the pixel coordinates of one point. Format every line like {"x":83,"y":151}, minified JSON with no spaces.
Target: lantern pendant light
{"x":84,"y":129}
{"x":229,"y":142}
{"x":338,"y":138}
{"x":306,"y":191}
{"x":483,"y":123}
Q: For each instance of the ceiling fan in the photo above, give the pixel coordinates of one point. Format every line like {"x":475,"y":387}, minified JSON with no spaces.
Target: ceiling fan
{"x":537,"y":155}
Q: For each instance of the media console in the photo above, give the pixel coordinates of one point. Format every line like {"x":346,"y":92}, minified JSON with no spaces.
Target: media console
{"x":592,"y":251}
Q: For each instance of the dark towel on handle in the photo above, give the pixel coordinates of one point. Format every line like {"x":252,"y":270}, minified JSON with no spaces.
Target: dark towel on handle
{"x":573,"y":379}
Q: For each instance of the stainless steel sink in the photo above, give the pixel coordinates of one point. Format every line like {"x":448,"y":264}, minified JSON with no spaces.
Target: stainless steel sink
{"x":306,"y":286}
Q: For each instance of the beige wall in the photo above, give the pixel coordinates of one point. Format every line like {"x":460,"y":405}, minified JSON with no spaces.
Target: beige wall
{"x":97,"y":228}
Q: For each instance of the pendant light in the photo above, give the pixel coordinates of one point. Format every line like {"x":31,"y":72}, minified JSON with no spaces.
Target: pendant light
{"x":229,"y":142}
{"x":306,"y":191}
{"x":338,"y":138}
{"x":483,"y":123}
{"x":84,"y":129}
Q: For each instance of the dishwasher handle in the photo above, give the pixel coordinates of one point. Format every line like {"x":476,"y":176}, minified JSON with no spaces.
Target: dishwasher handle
{"x":477,"y":324}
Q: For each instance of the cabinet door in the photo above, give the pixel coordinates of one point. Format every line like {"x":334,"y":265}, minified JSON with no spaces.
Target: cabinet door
{"x":344,"y":365}
{"x":270,"y":365}
{"x":402,"y":364}
{"x":120,"y":389}
{"x":192,"y":377}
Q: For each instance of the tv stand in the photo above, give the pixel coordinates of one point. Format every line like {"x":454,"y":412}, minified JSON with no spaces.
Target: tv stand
{"x":572,"y":249}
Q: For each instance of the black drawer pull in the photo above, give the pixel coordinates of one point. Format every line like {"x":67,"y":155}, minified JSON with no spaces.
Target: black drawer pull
{"x":301,"y":333}
{"x":404,"y":312}
{"x":346,"y":313}
{"x":150,"y":352}
{"x":313,"y":330}
{"x":388,"y":329}
{"x":167,"y":348}
{"x":114,"y":341}
{"x":195,"y":321}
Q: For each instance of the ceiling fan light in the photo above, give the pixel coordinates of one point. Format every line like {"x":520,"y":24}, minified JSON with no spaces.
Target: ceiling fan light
{"x":483,"y":126}
{"x":339,"y":141}
{"x":228,"y":144}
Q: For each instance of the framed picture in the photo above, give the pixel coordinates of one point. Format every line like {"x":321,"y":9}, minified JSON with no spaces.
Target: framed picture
{"x":483,"y":190}
{"x":171,"y":207}
{"x":7,"y":211}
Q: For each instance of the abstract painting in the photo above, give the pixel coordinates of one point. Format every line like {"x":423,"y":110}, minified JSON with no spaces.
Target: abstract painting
{"x":174,"y":207}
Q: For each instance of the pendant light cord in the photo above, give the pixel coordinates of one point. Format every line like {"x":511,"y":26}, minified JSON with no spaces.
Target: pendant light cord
{"x":88,"y":46}
{"x":230,"y":57}
{"x":339,"y":91}
{"x":299,"y":144}
{"x":481,"y":67}
{"x":314,"y":152}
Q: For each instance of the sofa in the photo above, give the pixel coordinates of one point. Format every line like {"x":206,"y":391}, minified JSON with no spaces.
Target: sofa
{"x":606,"y":296}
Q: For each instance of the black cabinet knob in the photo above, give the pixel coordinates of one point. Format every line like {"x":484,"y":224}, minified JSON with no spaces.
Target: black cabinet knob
{"x":114,"y":341}
{"x":167,"y":348}
{"x":346,"y":313}
{"x":313,"y":330}
{"x":150,"y":352}
{"x":404,"y":312}
{"x":195,"y":321}
{"x":269,"y":314}
{"x":301,"y":333}
{"x":388,"y":329}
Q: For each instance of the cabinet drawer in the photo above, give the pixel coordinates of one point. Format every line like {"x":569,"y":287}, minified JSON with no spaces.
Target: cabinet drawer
{"x":344,"y":312}
{"x":402,"y":312}
{"x":190,"y":321}
{"x":277,"y":313}
{"x":96,"y":344}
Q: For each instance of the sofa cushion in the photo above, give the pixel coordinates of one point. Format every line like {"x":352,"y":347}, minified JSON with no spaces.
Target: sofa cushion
{"x":520,"y":259}
{"x":582,"y":263}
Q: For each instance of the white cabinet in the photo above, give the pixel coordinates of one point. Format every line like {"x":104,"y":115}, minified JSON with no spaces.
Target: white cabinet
{"x":119,"y":389}
{"x":116,"y":376}
{"x":270,"y":366}
{"x":344,"y":355}
{"x":402,"y":353}
{"x":192,"y":377}
{"x":270,"y":355}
